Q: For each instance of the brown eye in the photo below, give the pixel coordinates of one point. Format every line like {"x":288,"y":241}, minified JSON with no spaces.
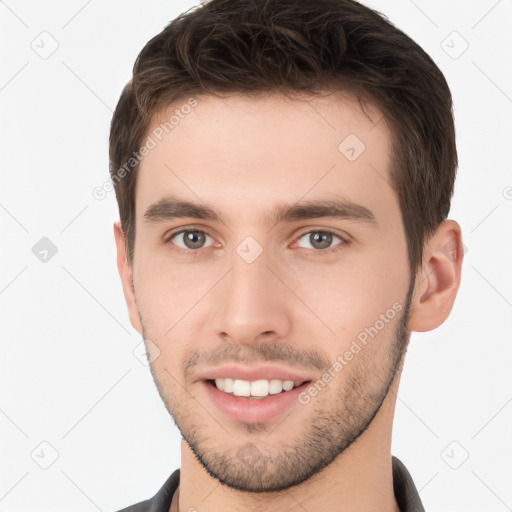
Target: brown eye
{"x":190,"y":240}
{"x":320,"y":240}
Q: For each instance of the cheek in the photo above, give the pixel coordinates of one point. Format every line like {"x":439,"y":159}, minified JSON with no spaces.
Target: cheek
{"x":168,"y":293}
{"x":350,"y":296}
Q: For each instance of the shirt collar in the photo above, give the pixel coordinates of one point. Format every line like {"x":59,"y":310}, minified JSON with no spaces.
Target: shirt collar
{"x":406,"y":495}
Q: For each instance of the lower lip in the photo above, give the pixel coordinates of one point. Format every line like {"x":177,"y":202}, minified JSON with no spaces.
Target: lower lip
{"x":253,"y":410}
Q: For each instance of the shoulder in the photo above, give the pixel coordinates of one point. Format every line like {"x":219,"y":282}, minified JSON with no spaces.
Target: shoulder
{"x":161,"y":501}
{"x":406,"y":494}
{"x":143,"y":506}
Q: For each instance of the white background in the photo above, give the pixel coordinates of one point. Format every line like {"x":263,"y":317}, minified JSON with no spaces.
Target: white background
{"x":68,"y":374}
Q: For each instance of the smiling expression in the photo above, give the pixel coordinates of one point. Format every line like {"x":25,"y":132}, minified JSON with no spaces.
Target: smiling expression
{"x":268,"y":238}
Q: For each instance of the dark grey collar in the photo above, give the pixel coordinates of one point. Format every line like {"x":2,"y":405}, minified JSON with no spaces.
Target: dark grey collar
{"x":406,"y":494}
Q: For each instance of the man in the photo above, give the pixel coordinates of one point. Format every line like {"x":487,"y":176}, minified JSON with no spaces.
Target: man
{"x":284,"y":170}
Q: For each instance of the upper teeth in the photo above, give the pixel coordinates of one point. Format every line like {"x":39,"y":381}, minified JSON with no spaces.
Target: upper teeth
{"x":257,"y":388}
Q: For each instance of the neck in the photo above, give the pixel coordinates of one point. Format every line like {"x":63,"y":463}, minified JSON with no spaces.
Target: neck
{"x":359,"y":479}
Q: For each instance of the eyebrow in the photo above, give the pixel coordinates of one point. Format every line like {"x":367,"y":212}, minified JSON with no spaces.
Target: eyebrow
{"x":172,"y":208}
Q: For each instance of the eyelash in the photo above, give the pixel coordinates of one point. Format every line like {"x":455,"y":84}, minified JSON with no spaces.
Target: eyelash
{"x":315,"y":252}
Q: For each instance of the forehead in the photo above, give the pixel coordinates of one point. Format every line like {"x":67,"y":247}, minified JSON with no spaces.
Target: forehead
{"x":243,"y":152}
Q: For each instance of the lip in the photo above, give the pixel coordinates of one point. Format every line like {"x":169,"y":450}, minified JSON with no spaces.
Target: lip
{"x":269,"y":372}
{"x":253,"y":410}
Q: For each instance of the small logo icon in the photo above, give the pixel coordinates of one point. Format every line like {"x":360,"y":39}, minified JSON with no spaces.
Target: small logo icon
{"x":454,"y":45}
{"x":146,"y":352}
{"x":351,"y":147}
{"x":45,"y":45}
{"x":252,"y":458}
{"x":44,"y":455}
{"x":249,"y":249}
{"x":44,"y":250}
{"x":455,"y":455}
{"x":449,"y":250}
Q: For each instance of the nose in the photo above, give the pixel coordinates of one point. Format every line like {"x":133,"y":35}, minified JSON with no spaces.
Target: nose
{"x":252,"y":304}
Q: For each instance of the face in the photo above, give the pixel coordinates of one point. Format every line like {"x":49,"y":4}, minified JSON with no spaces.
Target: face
{"x":271,"y":280}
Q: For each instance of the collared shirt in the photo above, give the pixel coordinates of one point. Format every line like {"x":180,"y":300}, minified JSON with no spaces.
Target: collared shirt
{"x":406,"y":494}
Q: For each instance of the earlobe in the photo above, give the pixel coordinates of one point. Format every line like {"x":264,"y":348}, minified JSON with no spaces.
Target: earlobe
{"x":438,"y":280}
{"x":126,"y":274}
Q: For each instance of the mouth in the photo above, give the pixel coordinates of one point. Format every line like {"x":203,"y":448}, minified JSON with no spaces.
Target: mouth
{"x":256,"y":389}
{"x":253,"y":395}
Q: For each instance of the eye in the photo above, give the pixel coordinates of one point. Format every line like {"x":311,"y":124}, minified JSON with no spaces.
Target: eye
{"x":190,"y":239}
{"x":321,"y":240}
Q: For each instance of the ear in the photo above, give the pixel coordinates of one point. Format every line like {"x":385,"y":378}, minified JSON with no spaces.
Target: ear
{"x":438,"y":279}
{"x":126,"y":275}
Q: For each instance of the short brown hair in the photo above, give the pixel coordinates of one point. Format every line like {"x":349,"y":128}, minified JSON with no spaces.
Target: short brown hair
{"x":256,"y":46}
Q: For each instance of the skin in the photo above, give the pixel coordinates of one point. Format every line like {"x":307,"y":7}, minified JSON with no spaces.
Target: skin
{"x":242,"y":156}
